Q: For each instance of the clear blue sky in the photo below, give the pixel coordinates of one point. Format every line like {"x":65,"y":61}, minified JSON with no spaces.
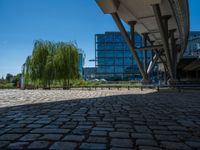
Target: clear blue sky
{"x":23,"y":21}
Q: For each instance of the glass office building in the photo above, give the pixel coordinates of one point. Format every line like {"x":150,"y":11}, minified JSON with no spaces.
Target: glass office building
{"x":188,"y":68}
{"x":114,"y":60}
{"x":81,"y":61}
{"x":193,"y":47}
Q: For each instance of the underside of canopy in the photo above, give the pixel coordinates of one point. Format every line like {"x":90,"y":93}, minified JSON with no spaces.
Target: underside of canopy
{"x":161,"y":22}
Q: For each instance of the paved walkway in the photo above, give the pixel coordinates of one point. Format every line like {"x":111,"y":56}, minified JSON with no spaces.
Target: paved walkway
{"x":112,"y":119}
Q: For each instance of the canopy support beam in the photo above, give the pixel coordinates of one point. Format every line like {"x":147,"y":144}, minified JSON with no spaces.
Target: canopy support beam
{"x":131,"y":43}
{"x":164,"y":37}
{"x":145,"y":52}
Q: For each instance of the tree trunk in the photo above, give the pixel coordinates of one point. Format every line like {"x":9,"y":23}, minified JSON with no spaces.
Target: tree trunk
{"x":45,"y":85}
{"x":68,"y":84}
{"x":49,"y":85}
{"x":65,"y":84}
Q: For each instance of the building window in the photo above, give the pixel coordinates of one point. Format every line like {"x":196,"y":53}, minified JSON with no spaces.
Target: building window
{"x":114,"y":58}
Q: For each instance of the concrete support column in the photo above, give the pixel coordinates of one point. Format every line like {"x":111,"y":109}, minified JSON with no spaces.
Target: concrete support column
{"x":152,"y":64}
{"x":173,"y":52}
{"x":152,"y":54}
{"x":165,"y":75}
{"x":145,"y":52}
{"x":163,"y":29}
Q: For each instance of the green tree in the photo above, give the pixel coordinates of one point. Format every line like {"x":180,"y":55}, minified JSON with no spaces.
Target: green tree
{"x":66,"y":60}
{"x":38,"y":62}
{"x":49,"y":70}
{"x":74,"y":62}
{"x":62,"y":63}
{"x":16,"y":80}
{"x":2,"y":80}
{"x":26,"y":70}
{"x":9,"y":78}
{"x":52,"y":62}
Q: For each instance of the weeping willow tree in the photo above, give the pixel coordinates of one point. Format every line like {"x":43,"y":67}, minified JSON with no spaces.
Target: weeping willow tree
{"x":74,"y":62}
{"x":67,"y":63}
{"x":38,"y":63}
{"x":52,"y":62}
{"x":50,"y":68}
{"x":26,"y":71}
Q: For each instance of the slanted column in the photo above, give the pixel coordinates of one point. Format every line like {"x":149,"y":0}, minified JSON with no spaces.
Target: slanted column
{"x":152,"y":63}
{"x":163,"y":27}
{"x":145,"y":52}
{"x":173,"y":51}
{"x":165,"y":24}
{"x":132,"y":38}
{"x":130,"y":42}
{"x":152,"y":54}
{"x":173,"y":45}
{"x":165,"y":75}
{"x":152,"y":50}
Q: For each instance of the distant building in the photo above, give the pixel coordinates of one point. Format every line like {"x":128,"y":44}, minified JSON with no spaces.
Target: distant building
{"x":193,"y":48}
{"x":89,"y":73}
{"x":81,"y":61}
{"x":114,"y":60}
{"x":189,"y":65}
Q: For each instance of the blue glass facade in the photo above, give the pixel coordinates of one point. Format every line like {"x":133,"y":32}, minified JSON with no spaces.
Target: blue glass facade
{"x":81,"y":61}
{"x":114,"y":60}
{"x":193,"y":47}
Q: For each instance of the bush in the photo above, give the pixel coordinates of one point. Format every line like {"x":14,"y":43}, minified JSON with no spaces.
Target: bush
{"x":6,"y":85}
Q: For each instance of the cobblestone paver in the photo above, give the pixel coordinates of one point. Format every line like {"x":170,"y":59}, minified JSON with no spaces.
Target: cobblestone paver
{"x":101,"y":119}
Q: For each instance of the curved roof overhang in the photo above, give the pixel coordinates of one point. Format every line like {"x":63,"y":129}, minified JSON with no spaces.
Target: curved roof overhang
{"x":142,"y":12}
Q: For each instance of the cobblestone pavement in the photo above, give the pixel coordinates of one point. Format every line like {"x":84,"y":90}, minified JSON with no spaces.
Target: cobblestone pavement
{"x":97,"y":120}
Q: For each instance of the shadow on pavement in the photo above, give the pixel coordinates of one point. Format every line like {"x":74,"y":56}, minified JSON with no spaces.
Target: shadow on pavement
{"x":134,"y":121}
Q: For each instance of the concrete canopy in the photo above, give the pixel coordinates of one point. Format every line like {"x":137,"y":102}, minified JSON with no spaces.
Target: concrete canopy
{"x":161,"y":22}
{"x":142,"y":12}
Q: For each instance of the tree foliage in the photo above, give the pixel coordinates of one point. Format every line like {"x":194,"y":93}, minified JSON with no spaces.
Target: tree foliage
{"x":51,"y":62}
{"x":26,"y":69}
{"x":12,"y":79}
{"x":9,"y":77}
